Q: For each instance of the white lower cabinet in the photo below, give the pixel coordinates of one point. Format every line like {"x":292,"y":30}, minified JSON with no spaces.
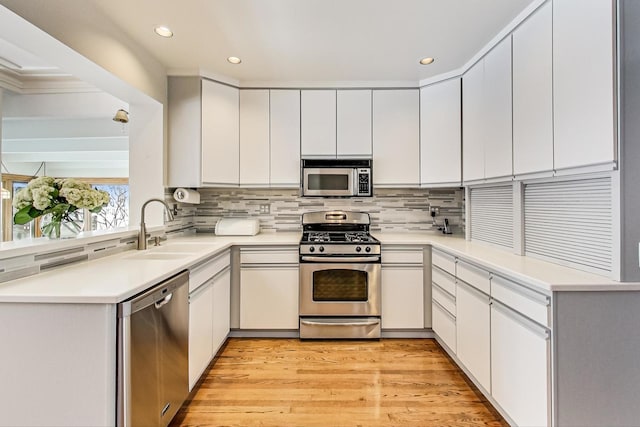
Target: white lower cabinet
{"x":269,"y":297}
{"x":221,"y":309}
{"x":269,"y":287}
{"x":402,"y":297}
{"x":444,"y":325}
{"x":499,"y":331}
{"x":403,"y":292}
{"x":209,"y":313}
{"x":473,"y":332}
{"x":520,"y":377}
{"x":200,"y":331}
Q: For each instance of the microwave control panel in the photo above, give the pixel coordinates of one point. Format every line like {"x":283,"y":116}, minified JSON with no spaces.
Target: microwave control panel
{"x":364,"y":182}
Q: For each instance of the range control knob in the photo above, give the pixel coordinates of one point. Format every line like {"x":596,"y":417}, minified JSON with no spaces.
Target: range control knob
{"x":358,"y":248}
{"x":312,"y":249}
{"x":368,"y":249}
{"x":321,"y":248}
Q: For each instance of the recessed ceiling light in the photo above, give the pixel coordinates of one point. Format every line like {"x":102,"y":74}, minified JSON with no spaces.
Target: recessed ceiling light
{"x":234,"y":59}
{"x":426,"y":61}
{"x":163,"y":31}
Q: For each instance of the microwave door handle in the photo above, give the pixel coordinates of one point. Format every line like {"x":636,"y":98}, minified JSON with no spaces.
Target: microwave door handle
{"x":354,"y":182}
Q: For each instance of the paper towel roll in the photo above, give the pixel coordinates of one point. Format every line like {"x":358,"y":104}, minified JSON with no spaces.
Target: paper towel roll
{"x":185,"y":195}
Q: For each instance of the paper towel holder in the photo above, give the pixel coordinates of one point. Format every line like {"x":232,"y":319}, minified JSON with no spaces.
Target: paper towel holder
{"x":184,"y":195}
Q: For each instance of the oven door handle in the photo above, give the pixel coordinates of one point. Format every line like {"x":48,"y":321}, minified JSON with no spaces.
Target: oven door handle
{"x":331,"y":259}
{"x":365,"y":323}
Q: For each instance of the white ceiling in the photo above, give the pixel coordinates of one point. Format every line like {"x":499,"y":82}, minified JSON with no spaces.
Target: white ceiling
{"x":314,"y":40}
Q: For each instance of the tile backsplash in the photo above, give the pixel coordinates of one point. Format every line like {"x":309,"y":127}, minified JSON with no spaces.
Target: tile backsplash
{"x":399,"y":210}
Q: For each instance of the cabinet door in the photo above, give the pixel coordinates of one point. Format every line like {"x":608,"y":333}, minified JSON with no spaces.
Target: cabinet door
{"x":396,"y":139}
{"x":318,"y":123}
{"x":254,"y":137}
{"x":220,"y":134}
{"x":519,"y":367}
{"x":200,"y":331}
{"x":533,"y":94}
{"x":285,"y":138}
{"x":184,"y":131}
{"x":402,"y":297}
{"x":440,"y":134}
{"x":221,"y":309}
{"x":473,"y":123}
{"x":354,"y":123}
{"x":496,"y":109}
{"x":269,"y":298}
{"x":473,"y":332}
{"x":444,"y":325}
{"x":583,"y":88}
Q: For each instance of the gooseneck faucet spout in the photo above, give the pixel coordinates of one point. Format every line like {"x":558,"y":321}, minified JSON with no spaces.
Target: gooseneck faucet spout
{"x":142,"y":234}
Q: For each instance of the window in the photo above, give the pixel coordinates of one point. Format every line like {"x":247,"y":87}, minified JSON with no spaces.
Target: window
{"x":114,"y":215}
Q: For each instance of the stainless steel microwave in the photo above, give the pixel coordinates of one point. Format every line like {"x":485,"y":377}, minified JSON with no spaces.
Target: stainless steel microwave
{"x":336,"y":178}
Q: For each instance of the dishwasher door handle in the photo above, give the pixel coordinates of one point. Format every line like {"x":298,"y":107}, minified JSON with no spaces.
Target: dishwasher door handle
{"x":163,"y":301}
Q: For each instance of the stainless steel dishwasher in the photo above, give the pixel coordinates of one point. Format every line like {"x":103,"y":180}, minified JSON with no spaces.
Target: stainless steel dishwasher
{"x":153,"y":359}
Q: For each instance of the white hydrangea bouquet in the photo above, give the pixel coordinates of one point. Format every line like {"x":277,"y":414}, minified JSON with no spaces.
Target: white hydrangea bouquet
{"x":59,"y":198}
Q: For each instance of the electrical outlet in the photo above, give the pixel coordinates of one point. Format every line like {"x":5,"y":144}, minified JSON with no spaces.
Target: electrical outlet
{"x":265,"y":208}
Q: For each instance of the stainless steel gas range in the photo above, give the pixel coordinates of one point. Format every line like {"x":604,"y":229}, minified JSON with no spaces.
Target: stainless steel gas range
{"x":339,"y":276}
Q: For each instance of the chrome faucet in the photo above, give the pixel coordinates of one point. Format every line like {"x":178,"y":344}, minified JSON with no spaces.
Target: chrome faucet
{"x":142,"y":235}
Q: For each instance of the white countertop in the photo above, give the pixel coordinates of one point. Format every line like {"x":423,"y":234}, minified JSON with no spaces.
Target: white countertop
{"x":543,"y":274}
{"x":115,"y":278}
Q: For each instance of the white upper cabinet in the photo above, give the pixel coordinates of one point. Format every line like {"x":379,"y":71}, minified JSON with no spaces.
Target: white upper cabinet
{"x":184,"y":130}
{"x":583,"y":83}
{"x":396,"y":138}
{"x":254,"y":137}
{"x":487,"y":121}
{"x":533,"y":94}
{"x":285,"y":138}
{"x":497,"y":110}
{"x":440,"y":134}
{"x":473,"y":123}
{"x":353,"y":123}
{"x":220,"y":134}
{"x":318,"y":123}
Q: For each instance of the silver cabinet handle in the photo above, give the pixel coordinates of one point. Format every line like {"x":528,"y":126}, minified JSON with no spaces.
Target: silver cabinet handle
{"x":163,"y":301}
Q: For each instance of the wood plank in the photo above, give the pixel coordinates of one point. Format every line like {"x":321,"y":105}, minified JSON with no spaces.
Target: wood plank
{"x":288,"y":382}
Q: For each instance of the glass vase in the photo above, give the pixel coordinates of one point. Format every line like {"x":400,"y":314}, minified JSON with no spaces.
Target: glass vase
{"x":61,"y":227}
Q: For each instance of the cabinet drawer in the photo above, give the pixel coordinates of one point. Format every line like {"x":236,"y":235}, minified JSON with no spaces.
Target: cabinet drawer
{"x":444,"y":261}
{"x":444,"y":325}
{"x":205,"y":271}
{"x":444,"y":280}
{"x":446,"y":300}
{"x":402,"y":256}
{"x":269,"y":256}
{"x":474,"y":276}
{"x":528,"y":302}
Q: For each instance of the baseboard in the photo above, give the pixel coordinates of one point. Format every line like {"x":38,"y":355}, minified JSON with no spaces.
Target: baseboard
{"x":264,"y":333}
{"x":407,"y":333}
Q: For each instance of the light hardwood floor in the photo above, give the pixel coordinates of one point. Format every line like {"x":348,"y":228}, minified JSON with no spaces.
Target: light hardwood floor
{"x":288,"y":382}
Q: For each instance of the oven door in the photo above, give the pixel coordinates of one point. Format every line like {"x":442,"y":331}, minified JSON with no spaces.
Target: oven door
{"x":328,"y":181}
{"x":339,"y":289}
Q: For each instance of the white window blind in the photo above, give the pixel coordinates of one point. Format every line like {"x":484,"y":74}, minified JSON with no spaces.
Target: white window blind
{"x":570,"y":221}
{"x":492,"y":215}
